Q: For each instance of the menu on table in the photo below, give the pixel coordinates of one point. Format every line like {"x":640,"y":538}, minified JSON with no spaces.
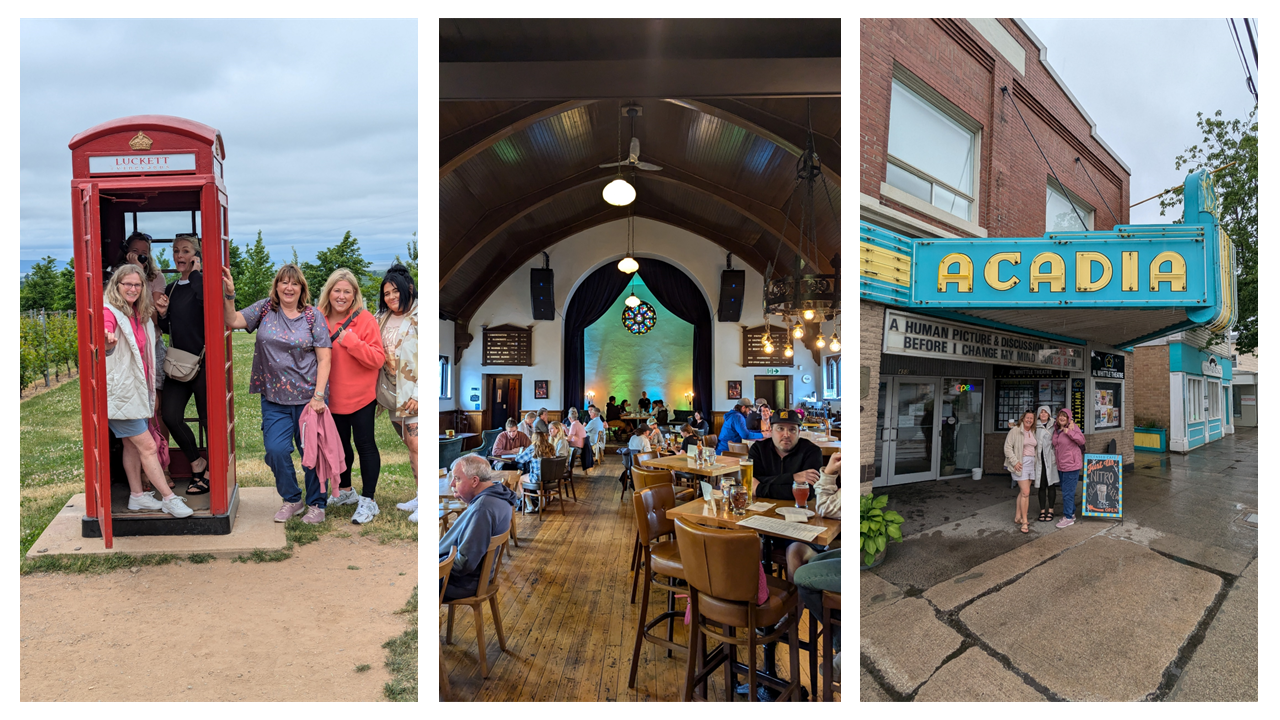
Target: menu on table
{"x":800,"y":531}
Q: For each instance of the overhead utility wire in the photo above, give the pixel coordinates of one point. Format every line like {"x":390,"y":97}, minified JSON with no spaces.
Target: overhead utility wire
{"x":1005,"y":89}
{"x":1095,"y":189}
{"x":1252,"y":44}
{"x":1248,"y":75}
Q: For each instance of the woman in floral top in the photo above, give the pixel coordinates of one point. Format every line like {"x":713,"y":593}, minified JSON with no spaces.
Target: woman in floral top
{"x":398,"y":319}
{"x":291,"y":371}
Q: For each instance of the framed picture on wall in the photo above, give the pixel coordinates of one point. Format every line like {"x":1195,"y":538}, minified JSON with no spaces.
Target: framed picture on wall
{"x":540,"y":391}
{"x":735,"y":389}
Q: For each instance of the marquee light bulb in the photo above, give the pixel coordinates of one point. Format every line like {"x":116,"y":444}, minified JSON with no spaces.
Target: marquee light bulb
{"x":619,"y":192}
{"x":632,"y":301}
{"x":628,"y":265}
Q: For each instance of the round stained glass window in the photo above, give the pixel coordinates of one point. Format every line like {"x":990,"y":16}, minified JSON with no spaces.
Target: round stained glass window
{"x":639,"y":319}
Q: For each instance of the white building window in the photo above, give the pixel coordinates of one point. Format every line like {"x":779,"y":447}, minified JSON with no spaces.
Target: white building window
{"x":1195,"y":399}
{"x":1215,"y":400}
{"x":1058,"y":213}
{"x":933,"y":148}
{"x":446,"y":382}
{"x":831,"y":378}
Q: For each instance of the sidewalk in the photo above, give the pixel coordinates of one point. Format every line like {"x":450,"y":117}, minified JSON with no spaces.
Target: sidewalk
{"x":1159,"y":606}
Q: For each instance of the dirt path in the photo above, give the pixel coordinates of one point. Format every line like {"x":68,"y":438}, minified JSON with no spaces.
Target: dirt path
{"x":228,"y":630}
{"x":38,"y":388}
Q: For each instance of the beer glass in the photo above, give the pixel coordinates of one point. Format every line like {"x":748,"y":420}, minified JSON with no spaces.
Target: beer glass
{"x":800,"y":491}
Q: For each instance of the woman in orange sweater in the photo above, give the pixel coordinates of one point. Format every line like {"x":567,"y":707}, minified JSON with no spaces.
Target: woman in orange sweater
{"x":353,"y":386}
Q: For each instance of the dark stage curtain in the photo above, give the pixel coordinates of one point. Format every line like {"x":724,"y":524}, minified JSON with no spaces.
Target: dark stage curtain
{"x":674,"y":290}
{"x":590,"y":301}
{"x":678,"y":293}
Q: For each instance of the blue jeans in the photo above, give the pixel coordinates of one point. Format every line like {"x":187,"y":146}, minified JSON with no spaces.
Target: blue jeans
{"x":822,"y":572}
{"x":280,"y":434}
{"x":1068,"y":478}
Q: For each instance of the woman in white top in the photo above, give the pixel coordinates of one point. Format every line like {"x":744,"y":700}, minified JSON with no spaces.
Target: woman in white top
{"x":398,"y":319}
{"x":559,"y":439}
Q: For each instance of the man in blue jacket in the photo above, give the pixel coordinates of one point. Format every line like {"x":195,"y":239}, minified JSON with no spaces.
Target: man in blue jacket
{"x":488,"y":513}
{"x":735,"y":426}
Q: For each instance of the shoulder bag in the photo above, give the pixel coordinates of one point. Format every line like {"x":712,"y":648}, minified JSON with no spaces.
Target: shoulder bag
{"x":180,"y":364}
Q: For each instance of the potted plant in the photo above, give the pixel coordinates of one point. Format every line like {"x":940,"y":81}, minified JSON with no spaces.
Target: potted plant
{"x":879,"y":526}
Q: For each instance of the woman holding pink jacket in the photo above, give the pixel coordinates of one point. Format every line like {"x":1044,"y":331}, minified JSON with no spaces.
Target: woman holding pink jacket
{"x":1068,"y":448}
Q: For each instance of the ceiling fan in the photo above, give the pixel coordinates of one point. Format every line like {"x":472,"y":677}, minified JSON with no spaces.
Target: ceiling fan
{"x":633,"y":160}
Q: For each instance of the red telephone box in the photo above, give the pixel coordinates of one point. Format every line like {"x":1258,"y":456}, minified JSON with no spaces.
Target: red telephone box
{"x":122,"y":170}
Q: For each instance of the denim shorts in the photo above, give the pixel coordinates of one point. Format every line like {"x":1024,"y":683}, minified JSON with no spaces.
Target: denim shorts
{"x":127,"y":428}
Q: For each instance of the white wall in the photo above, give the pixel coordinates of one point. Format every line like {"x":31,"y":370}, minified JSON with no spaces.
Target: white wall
{"x":578,"y":256}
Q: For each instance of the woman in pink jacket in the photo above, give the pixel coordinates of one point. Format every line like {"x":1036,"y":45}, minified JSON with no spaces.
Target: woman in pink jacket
{"x":1068,"y":448}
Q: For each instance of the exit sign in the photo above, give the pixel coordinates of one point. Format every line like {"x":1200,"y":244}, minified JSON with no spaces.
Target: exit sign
{"x":772,"y":371}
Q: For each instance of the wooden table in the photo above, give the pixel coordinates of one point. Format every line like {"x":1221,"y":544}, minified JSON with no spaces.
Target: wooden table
{"x":680,"y":463}
{"x":699,"y":512}
{"x":464,"y":436}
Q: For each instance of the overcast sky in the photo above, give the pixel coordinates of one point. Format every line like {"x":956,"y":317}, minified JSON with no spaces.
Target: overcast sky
{"x":319,"y":118}
{"x":1142,"y":82}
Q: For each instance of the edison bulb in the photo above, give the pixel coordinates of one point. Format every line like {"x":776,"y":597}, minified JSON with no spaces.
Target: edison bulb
{"x":797,"y":331}
{"x":808,"y":314}
{"x":835,"y":343}
{"x":619,"y":192}
{"x":628,"y":265}
{"x":820,"y":342}
{"x":788,"y":352}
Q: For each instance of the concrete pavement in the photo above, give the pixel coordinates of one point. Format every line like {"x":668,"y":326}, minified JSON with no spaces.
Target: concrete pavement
{"x":1161,"y":605}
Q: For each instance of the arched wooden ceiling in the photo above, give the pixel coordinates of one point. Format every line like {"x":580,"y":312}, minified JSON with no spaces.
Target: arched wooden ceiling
{"x":519,"y":176}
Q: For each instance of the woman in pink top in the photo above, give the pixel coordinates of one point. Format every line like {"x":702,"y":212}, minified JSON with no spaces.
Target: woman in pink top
{"x":129,"y":340}
{"x":578,"y":438}
{"x":1020,"y":460}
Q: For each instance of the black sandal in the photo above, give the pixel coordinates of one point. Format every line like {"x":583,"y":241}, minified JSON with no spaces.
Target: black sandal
{"x":199,"y":485}
{"x":1043,"y":518}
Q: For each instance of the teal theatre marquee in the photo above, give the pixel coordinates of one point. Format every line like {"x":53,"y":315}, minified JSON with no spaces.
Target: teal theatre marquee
{"x":1184,"y":273}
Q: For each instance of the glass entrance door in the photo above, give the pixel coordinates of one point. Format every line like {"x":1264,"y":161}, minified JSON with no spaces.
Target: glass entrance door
{"x":909,"y":435}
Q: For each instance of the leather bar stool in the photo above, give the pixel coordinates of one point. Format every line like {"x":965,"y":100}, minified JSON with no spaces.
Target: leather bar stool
{"x":645,"y":478}
{"x":660,"y":557}
{"x":723,"y":572}
{"x":830,"y":621}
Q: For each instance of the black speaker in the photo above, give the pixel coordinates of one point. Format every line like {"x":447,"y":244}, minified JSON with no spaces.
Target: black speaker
{"x":542,"y":293}
{"x":732,"y":285}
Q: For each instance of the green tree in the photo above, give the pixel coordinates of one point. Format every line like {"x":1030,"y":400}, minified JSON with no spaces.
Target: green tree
{"x":346,"y":254}
{"x":237,"y":258}
{"x":65,"y":297}
{"x":40,"y":286}
{"x":253,"y":282}
{"x":1225,"y":142}
{"x":162,"y":261}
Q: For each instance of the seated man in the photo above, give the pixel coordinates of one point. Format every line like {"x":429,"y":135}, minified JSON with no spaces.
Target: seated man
{"x":595,"y":434}
{"x":488,"y":513}
{"x":542,"y":425}
{"x":782,"y":458}
{"x":527,"y":426}
{"x":735,"y":428}
{"x":660,"y":412}
{"x":510,"y":442}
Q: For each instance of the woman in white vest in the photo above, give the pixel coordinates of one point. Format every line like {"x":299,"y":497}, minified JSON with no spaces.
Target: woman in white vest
{"x":131,"y":393}
{"x":398,"y":385}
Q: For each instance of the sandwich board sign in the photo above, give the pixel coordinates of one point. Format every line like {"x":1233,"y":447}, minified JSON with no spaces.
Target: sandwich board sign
{"x":1102,"y":494}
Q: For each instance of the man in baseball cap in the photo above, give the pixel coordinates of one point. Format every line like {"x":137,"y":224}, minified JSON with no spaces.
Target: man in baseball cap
{"x":735,"y":426}
{"x":784,"y":457}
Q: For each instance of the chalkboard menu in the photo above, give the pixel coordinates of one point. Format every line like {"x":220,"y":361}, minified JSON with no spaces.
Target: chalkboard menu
{"x":753,"y":354}
{"x":507,"y":345}
{"x":1102,"y":494}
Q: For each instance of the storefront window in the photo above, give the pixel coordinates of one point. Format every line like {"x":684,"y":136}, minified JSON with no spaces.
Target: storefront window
{"x":1215,"y":399}
{"x":1195,"y":399}
{"x":1016,"y":396}
{"x":961,"y":425}
{"x":1108,"y":408}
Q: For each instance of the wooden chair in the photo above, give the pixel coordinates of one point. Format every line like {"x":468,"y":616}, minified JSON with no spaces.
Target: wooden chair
{"x":710,"y":440}
{"x":722,"y":569}
{"x":661,"y":557}
{"x":734,"y":453}
{"x":645,"y":457}
{"x":574,"y":453}
{"x":739,"y":448}
{"x":830,"y":621}
{"x":487,"y":591}
{"x":446,"y":566}
{"x":549,"y":484}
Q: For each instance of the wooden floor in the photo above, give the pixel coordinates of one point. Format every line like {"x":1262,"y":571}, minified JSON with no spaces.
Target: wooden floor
{"x":565,"y":605}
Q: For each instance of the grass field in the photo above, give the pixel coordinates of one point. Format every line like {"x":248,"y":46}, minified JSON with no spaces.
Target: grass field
{"x":52,"y":466}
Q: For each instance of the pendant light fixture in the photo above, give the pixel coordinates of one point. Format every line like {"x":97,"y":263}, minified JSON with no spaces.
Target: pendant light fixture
{"x":797,"y":331}
{"x":820,"y":341}
{"x":632,"y":300}
{"x":835,"y":342}
{"x":787,"y":351}
{"x":619,"y":192}
{"x":628,"y":264}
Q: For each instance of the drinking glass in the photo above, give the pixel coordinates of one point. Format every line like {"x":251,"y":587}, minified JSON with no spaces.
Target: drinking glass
{"x":800,"y":491}
{"x":738,"y":499}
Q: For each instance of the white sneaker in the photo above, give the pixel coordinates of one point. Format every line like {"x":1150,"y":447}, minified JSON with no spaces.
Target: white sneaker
{"x":346,"y":496}
{"x":146,"y":501}
{"x":176,"y":505}
{"x":410,"y":506}
{"x":364,"y":512}
{"x":414,"y":516}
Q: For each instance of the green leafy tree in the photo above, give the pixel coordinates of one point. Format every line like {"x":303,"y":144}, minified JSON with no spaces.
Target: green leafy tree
{"x":65,"y":297}
{"x":295,"y":256}
{"x":1225,"y":142}
{"x":253,"y":281}
{"x":40,"y":286}
{"x":237,"y":258}
{"x":346,"y":254}
{"x":162,"y":260}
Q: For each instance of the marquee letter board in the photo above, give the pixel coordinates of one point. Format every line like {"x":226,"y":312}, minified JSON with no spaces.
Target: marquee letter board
{"x":1103,"y":491}
{"x":507,"y":345}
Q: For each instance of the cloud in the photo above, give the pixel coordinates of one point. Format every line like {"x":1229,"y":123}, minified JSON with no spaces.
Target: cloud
{"x":319,"y":117}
